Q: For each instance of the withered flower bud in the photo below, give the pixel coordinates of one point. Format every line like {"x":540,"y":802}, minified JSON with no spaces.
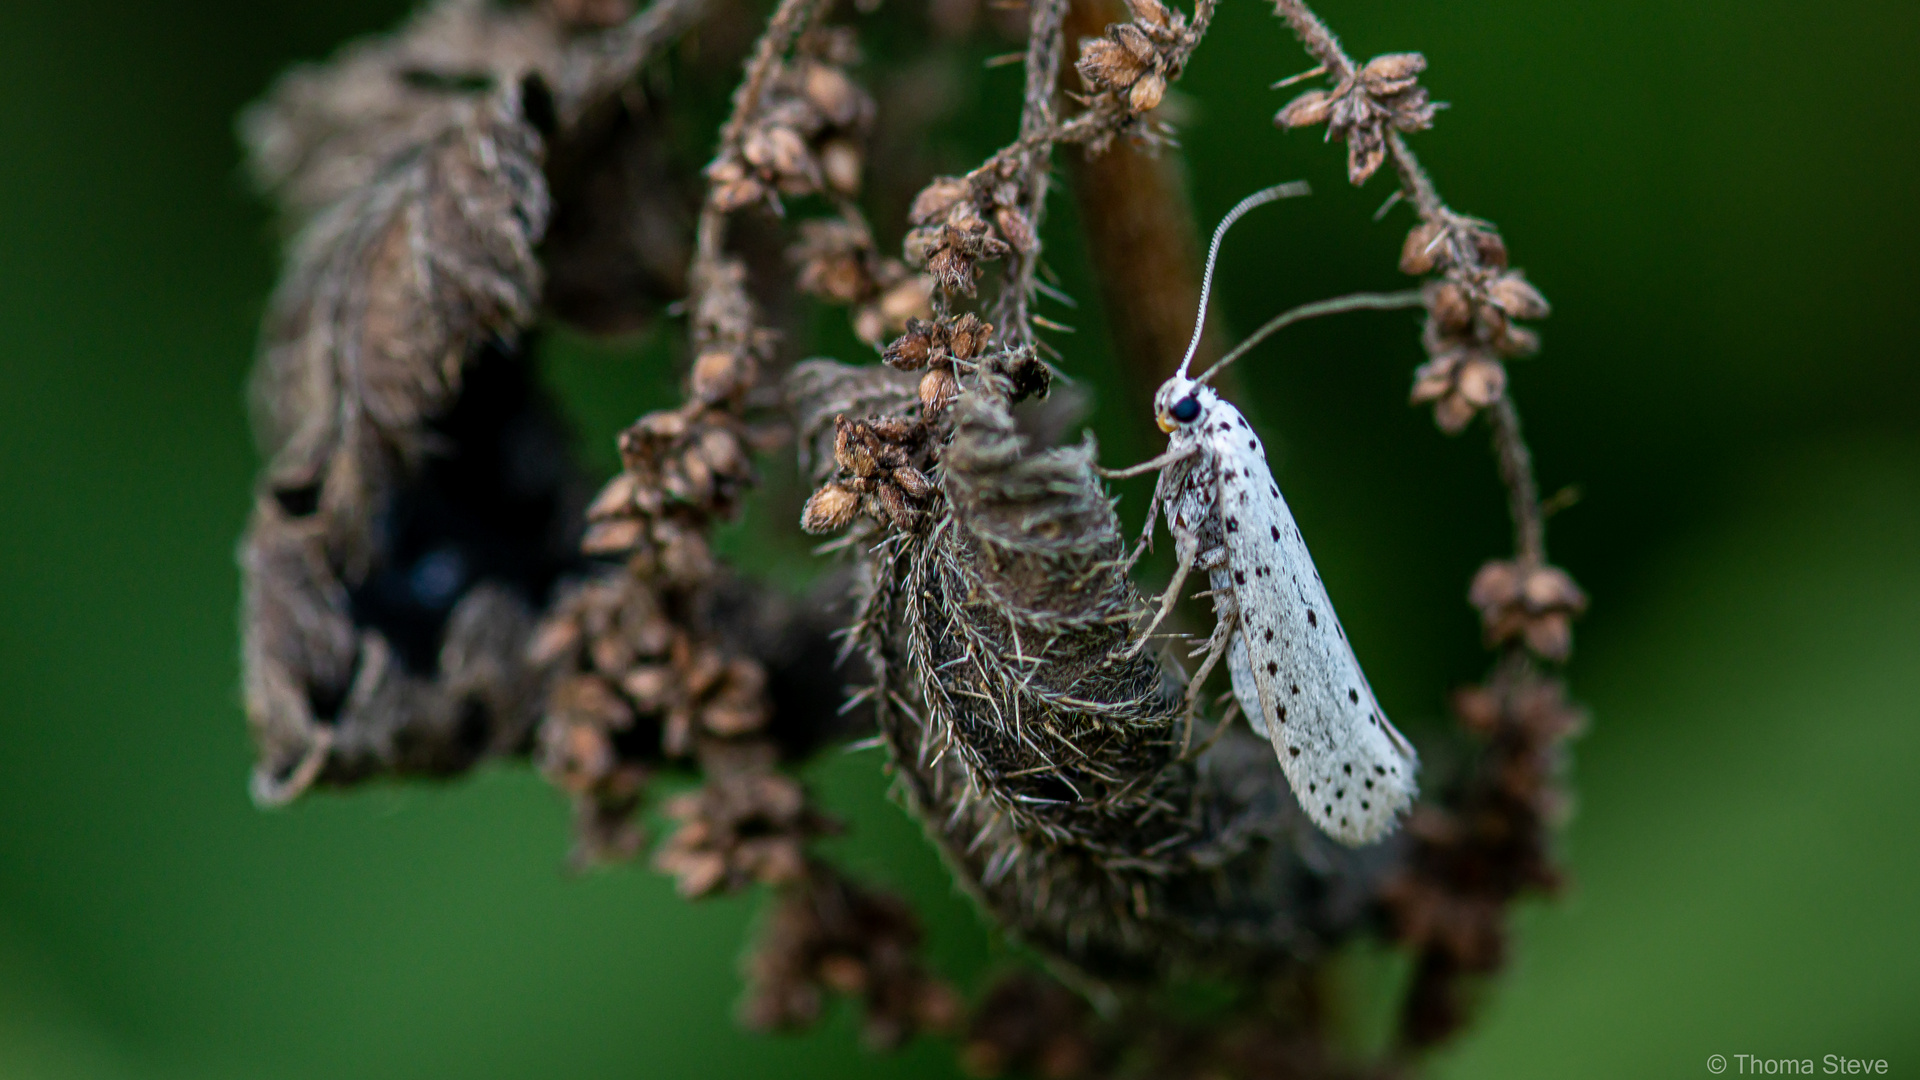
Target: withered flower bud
{"x":1017,"y":228}
{"x":913,"y":481}
{"x":1134,"y":42}
{"x":841,"y":163}
{"x":1147,"y":92}
{"x":911,"y":298}
{"x":1447,"y":302}
{"x":614,"y":500}
{"x":611,"y":537}
{"x":719,"y":374}
{"x":936,"y":199}
{"x":1513,"y":294}
{"x":650,"y":686}
{"x":851,"y":448}
{"x":1459,"y":384}
{"x":1393,"y":73}
{"x":829,"y":509}
{"x":1424,"y":249}
{"x":1492,"y":249}
{"x":911,"y":350}
{"x":938,"y":389}
{"x":1106,"y":65}
{"x":1310,"y":108}
{"x":837,"y":97}
{"x":1533,"y":604}
{"x":968,"y":336}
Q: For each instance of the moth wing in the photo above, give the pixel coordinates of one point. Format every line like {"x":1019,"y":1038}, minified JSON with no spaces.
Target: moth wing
{"x":1349,"y":768}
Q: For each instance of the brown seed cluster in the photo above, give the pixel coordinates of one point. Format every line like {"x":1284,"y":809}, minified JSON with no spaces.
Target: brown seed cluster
{"x":1361,"y":108}
{"x":1134,"y":62}
{"x":1490,"y":845}
{"x":829,"y":935}
{"x":806,"y":136}
{"x":1030,"y":1025}
{"x":838,"y":262}
{"x":963,"y":221}
{"x":746,"y":824}
{"x":634,"y":685}
{"x":1532,"y":604}
{"x":936,"y":346}
{"x":1473,"y":311}
{"x":880,"y":463}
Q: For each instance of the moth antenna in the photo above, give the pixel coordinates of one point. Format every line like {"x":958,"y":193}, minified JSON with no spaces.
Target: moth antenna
{"x":1258,"y":198}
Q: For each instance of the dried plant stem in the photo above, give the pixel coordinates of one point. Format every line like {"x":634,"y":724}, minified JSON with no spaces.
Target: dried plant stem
{"x":1523,"y":493}
{"x":1046,"y":40}
{"x":1516,"y":461}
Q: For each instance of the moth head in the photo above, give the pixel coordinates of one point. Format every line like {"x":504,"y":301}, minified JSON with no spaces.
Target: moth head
{"x":1181,"y":404}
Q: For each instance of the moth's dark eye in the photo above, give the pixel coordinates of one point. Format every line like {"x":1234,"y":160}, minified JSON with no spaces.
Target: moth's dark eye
{"x":1185,"y":410}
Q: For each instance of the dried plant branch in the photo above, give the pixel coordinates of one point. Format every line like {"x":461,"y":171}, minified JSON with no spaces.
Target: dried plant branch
{"x":1472,"y":309}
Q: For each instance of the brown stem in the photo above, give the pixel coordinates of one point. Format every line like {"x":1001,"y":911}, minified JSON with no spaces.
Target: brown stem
{"x":1516,"y":461}
{"x":1523,"y":493}
{"x":789,"y":21}
{"x":1045,"y":43}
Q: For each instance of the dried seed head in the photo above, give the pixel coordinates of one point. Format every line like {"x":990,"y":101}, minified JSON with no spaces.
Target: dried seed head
{"x":1481,"y":381}
{"x":613,"y":537}
{"x":1392,"y":74}
{"x":842,"y":163}
{"x":968,"y":336}
{"x":938,"y":388}
{"x":1146,"y":93}
{"x":936,"y":199}
{"x":1535,"y":605}
{"x":1152,"y":13}
{"x":829,"y":509}
{"x":912,"y":350}
{"x":1424,"y":250}
{"x":1513,"y":294}
{"x":829,"y":90}
{"x":1310,"y":108}
{"x":1105,"y":64}
{"x":720,"y":374}
{"x":1447,"y":302}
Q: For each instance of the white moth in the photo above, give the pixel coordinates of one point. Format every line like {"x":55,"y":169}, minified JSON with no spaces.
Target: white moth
{"x":1294,"y":672}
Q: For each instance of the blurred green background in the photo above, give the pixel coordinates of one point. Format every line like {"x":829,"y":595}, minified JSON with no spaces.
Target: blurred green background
{"x":1719,"y":197}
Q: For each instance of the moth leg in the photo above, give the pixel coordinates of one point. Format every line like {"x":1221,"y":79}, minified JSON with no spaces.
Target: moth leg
{"x":1226,"y":624}
{"x":1154,"y":504}
{"x":1173,"y":454}
{"x":1226,"y":721}
{"x":1187,"y":547}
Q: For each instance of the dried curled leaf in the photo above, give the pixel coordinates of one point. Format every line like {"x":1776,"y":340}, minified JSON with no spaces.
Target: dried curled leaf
{"x":420,"y":666}
{"x":330,"y":130}
{"x":386,"y":296}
